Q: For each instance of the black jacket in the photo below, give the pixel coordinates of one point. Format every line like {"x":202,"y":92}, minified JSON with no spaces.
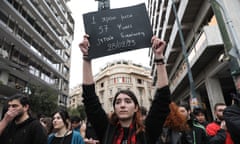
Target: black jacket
{"x":169,"y":136}
{"x":196,"y":135}
{"x":232,"y":118}
{"x":28,"y":132}
{"x":105,"y":131}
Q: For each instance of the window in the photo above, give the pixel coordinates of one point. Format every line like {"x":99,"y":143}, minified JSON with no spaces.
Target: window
{"x":139,"y":81}
{"x":110,"y":92}
{"x":3,"y":17}
{"x":128,"y":80}
{"x":119,"y":80}
{"x":110,"y":102}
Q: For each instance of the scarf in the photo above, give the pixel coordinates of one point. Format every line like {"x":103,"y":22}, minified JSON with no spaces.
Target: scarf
{"x":120,"y":134}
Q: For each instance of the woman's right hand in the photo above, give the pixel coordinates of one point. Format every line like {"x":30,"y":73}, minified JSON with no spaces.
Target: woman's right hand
{"x":158,"y":46}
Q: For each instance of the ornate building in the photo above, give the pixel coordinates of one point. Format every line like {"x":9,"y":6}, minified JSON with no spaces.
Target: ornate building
{"x":124,"y":75}
{"x":115,"y":76}
{"x":75,"y":97}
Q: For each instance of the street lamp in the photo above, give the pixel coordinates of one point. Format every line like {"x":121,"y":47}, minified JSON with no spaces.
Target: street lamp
{"x":184,"y":51}
{"x":231,"y":48}
{"x":220,"y":10}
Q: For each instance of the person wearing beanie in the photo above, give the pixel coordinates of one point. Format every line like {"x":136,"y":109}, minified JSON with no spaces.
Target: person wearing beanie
{"x":125,"y":125}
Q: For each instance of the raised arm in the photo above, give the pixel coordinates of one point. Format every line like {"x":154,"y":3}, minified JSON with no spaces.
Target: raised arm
{"x":159,"y":109}
{"x":87,"y":65}
{"x":158,"y":47}
{"x":93,"y":107}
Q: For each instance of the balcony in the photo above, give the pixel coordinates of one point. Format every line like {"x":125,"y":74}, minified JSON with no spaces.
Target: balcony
{"x":8,"y":8}
{"x":63,"y":10}
{"x":48,"y":10}
{"x":207,"y":47}
{"x":192,"y":14}
{"x":43,"y":21}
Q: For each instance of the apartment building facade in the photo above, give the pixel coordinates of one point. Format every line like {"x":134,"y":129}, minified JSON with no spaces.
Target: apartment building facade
{"x":35,"y":46}
{"x":75,"y":97}
{"x":124,"y":74}
{"x":115,"y":76}
{"x":204,"y":45}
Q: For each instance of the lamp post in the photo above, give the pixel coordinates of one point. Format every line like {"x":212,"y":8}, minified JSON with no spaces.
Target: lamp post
{"x":184,"y":51}
{"x":231,"y":44}
{"x":103,"y":4}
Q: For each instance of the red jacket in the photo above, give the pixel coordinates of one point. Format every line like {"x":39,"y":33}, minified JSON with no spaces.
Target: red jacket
{"x":217,"y":134}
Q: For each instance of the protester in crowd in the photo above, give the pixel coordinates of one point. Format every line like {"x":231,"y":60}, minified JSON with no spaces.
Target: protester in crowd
{"x":176,"y":129}
{"x":88,"y":133}
{"x":217,"y":129}
{"x":200,"y":116}
{"x":125,"y":125}
{"x":75,"y":123}
{"x":197,"y":131}
{"x":63,"y":134}
{"x":143,"y":113}
{"x":17,"y":126}
{"x":232,"y":113}
{"x":232,"y":119}
{"x":47,"y":124}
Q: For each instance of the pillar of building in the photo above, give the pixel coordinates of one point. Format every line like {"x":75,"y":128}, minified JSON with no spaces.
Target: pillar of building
{"x":214,"y":91}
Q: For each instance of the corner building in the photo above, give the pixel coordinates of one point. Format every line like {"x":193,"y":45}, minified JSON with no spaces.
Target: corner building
{"x":35,"y":46}
{"x":204,"y":45}
{"x":75,"y":97}
{"x":123,"y":75}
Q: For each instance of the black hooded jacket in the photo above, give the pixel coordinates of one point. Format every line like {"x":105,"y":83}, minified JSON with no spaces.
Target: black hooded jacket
{"x":28,"y":132}
{"x":232,"y":118}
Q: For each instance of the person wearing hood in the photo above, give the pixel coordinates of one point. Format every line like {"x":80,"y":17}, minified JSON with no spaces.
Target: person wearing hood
{"x":232,"y":113}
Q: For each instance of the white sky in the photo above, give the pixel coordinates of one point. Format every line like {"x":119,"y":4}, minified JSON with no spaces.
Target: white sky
{"x":79,"y":7}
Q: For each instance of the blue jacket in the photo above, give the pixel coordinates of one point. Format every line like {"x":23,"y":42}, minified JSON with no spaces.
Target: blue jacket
{"x":76,"y":138}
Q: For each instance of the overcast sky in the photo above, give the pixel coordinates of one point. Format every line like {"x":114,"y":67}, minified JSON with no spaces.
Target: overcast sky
{"x":79,"y":7}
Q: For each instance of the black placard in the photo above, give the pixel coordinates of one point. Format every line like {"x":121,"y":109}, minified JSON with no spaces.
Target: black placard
{"x":118,"y":30}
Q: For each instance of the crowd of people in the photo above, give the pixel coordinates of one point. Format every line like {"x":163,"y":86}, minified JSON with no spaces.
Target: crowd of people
{"x":166,"y":121}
